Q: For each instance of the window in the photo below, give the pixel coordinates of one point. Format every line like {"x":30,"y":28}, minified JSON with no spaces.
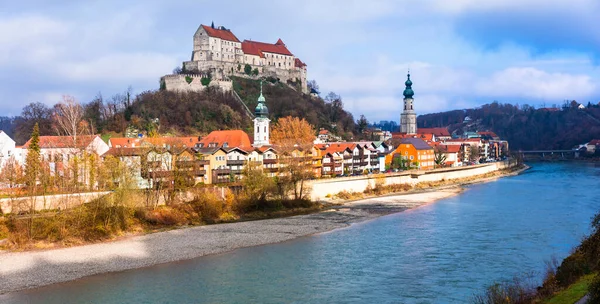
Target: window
{"x":265,"y":129}
{"x":412,"y":157}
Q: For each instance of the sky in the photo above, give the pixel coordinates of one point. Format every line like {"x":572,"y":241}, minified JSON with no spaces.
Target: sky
{"x":461,"y":53}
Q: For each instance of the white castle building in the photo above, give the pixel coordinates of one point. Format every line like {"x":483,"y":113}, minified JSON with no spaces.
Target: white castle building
{"x":218,"y":52}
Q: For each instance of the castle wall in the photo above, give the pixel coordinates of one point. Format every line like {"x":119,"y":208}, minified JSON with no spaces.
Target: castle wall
{"x":179,"y":83}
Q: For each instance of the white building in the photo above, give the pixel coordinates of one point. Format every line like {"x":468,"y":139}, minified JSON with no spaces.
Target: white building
{"x":7,"y":148}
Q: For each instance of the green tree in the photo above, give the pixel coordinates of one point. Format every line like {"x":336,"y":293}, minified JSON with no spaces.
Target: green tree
{"x":255,"y":72}
{"x":33,"y":162}
{"x":440,"y":158}
{"x":361,"y":124}
{"x":247,"y":69}
{"x":205,"y":81}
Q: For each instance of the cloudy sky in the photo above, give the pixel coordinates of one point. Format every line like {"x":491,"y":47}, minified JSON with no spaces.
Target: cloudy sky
{"x":461,"y":53}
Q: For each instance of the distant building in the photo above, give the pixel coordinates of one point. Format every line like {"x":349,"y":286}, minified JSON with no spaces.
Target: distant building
{"x":7,"y":148}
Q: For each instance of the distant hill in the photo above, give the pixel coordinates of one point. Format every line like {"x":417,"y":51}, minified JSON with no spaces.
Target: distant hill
{"x":524,"y":127}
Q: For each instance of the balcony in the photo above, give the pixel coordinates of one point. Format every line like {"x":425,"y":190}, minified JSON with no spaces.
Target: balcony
{"x":268,"y":161}
{"x":357,"y":157}
{"x":347,"y":156}
{"x":374,"y":162}
{"x":200,"y":172}
{"x":235,"y":162}
{"x":363,"y":163}
{"x":221,"y":171}
{"x":271,"y":170}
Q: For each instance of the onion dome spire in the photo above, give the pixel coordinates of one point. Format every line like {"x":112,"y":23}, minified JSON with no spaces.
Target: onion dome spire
{"x":261,"y":108}
{"x":408,"y":92}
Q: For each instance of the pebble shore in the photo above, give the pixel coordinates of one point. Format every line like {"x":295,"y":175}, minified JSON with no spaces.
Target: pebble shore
{"x":25,"y":270}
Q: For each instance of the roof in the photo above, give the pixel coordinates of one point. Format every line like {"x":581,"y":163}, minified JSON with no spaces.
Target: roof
{"x":124,"y":142}
{"x":299,"y":64}
{"x":336,"y":147}
{"x":188,"y":141}
{"x":426,"y":136}
{"x":435,"y":131}
{"x":233,"y":138}
{"x":418,"y":143}
{"x":218,"y":33}
{"x":450,"y":148}
{"x":257,"y":48}
{"x":210,"y":150}
{"x":323,"y":132}
{"x":125,"y":151}
{"x":487,"y":133}
{"x":594,"y":142}
{"x":48,"y":142}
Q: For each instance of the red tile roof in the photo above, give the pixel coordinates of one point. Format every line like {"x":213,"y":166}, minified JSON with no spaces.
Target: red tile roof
{"x":323,"y":132}
{"x":233,"y":138}
{"x":252,"y":49}
{"x":450,"y":148}
{"x":488,"y":133}
{"x":594,"y":142}
{"x":222,"y":34}
{"x":266,"y":47}
{"x":188,"y":142}
{"x":435,"y":131}
{"x":48,"y":142}
{"x":299,"y":64}
{"x":124,"y":142}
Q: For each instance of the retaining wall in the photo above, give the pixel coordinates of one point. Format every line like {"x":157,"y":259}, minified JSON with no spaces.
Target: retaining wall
{"x":325,"y":187}
{"x":59,"y":201}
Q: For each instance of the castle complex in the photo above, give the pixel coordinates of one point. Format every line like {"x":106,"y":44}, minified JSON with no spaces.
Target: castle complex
{"x":408,"y":118}
{"x":219,"y":53}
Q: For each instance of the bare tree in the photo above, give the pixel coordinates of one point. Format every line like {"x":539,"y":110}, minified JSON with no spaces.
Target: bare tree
{"x":68,"y":118}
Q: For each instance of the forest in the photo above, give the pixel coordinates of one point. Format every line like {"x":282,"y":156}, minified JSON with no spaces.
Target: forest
{"x":525,"y":127}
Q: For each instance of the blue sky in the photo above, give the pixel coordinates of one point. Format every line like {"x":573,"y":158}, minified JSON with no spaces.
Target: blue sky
{"x":461,"y":53}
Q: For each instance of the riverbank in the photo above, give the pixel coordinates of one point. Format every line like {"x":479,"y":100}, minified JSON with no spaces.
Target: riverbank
{"x":24,"y":270}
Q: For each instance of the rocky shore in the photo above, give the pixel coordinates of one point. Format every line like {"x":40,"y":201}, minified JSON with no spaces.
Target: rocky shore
{"x":24,"y":270}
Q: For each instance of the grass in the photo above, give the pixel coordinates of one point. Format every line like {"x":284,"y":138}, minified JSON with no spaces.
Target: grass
{"x":574,"y":293}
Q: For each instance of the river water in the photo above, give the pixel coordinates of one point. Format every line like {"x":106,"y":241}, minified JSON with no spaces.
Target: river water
{"x":440,"y":253}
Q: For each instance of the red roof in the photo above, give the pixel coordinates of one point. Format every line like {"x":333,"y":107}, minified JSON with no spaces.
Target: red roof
{"x":426,"y":136}
{"x":254,"y":46}
{"x":48,"y":142}
{"x":435,"y":131}
{"x":252,"y":49}
{"x":189,"y":141}
{"x":217,"y":33}
{"x":594,"y":142}
{"x":450,"y":148}
{"x":124,"y":142}
{"x":489,"y":133}
{"x":323,"y":132}
{"x":233,"y":138}
{"x":299,"y":64}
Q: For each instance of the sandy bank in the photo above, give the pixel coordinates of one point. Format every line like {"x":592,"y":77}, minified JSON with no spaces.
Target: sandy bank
{"x":23,"y":270}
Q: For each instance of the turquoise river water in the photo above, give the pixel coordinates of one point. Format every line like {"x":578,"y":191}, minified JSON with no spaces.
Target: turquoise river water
{"x":440,"y":253}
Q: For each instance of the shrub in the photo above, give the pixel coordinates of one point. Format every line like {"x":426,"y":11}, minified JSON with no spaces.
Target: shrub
{"x":247,"y":69}
{"x":571,"y":269}
{"x":594,"y":290}
{"x":208,"y":205}
{"x":255,"y":72}
{"x":205,"y":81}
{"x":514,"y":292}
{"x":166,"y":216}
{"x":189,"y":79}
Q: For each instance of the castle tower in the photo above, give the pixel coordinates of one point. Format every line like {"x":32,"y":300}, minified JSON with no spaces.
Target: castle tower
{"x":261,"y":122}
{"x":408,"y":118}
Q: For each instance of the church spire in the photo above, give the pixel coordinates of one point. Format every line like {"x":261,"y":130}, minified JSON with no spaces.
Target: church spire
{"x":261,"y":108}
{"x":408,"y":92}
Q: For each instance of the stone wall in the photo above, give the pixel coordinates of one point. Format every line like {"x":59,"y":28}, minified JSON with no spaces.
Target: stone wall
{"x":178,"y":83}
{"x":323,"y":188}
{"x":52,"y":202}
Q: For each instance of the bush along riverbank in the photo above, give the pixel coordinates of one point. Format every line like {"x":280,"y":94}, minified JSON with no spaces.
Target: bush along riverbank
{"x":132,"y":212}
{"x":567,"y":282}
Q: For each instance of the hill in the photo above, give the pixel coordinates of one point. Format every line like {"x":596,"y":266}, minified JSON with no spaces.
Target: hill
{"x":524,"y":127}
{"x":190,"y":113}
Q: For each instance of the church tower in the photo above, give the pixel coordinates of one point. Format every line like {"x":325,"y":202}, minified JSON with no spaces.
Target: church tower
{"x":408,"y":118}
{"x":261,"y":122}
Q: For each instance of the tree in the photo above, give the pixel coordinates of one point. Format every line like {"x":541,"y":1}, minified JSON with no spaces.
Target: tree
{"x":35,"y":112}
{"x":474,"y":153}
{"x":294,"y":140}
{"x":11,"y":173}
{"x":256,"y":185}
{"x":248,"y":69}
{"x":313,"y":86}
{"x":440,"y":158}
{"x":255,"y":72}
{"x":361,"y":124}
{"x":33,"y":167}
{"x":177,"y":70}
{"x":68,"y":118}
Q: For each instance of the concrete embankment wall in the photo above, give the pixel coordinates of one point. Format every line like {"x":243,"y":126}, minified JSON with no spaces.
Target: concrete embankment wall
{"x":325,"y":187}
{"x":59,"y":201}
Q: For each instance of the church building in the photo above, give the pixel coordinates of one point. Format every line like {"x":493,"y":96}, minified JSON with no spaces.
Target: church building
{"x":408,"y":118}
{"x":261,"y":122}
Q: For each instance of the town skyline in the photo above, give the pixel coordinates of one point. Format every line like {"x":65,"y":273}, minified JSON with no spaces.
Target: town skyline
{"x":362,"y":54}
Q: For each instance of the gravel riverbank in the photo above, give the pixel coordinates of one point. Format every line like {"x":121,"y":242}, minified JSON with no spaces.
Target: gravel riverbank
{"x":24,"y":270}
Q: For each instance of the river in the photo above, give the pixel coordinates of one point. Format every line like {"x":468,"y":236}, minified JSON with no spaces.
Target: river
{"x":440,"y":253}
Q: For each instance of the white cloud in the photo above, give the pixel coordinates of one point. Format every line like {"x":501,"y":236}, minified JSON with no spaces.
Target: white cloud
{"x":535,"y":83}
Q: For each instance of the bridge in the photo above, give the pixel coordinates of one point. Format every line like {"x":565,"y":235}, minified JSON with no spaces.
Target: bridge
{"x":550,"y":154}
